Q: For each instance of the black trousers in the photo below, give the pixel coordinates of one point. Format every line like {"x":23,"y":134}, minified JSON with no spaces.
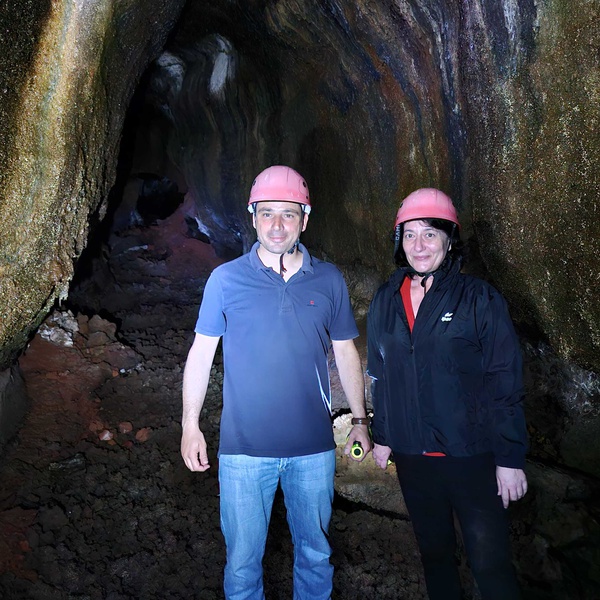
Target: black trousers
{"x":436,"y":488}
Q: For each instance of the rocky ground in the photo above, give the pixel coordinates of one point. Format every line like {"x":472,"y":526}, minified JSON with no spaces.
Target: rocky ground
{"x":95,"y":501}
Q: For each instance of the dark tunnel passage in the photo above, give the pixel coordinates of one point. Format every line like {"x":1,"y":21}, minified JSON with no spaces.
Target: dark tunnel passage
{"x":96,"y":502}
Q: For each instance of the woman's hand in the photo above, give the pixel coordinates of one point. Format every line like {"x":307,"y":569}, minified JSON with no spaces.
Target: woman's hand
{"x":381,"y":454}
{"x":512,"y":484}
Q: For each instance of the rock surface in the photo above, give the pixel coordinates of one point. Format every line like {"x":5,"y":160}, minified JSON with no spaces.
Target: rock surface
{"x":13,"y":402}
{"x":67,"y":74}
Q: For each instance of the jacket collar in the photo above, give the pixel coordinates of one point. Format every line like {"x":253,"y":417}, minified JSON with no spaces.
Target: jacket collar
{"x":448,"y":269}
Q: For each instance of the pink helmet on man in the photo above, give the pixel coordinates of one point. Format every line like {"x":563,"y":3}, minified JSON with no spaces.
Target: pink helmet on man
{"x":279,"y":183}
{"x":427,"y":203}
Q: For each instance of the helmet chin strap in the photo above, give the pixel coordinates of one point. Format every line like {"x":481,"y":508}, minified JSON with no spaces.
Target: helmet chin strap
{"x":282,"y":269}
{"x":424,"y":277}
{"x":293,"y":249}
{"x":427,"y":274}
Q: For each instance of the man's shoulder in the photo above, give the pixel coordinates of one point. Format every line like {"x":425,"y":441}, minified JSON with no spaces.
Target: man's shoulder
{"x":323,"y":267}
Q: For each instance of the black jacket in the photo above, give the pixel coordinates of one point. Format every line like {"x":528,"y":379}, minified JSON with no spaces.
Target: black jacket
{"x":455,"y":384}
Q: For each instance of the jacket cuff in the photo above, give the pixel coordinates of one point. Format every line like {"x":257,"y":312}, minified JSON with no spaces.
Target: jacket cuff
{"x":513,"y":461}
{"x":378,"y":438}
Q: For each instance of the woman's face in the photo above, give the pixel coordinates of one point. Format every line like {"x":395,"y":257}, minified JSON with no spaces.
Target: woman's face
{"x":425,"y":246}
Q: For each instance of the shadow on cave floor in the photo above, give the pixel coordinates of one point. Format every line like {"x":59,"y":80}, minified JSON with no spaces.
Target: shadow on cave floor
{"x":95,"y":501}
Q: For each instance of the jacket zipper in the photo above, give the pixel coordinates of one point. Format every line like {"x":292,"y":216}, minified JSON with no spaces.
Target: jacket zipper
{"x":404,"y":320}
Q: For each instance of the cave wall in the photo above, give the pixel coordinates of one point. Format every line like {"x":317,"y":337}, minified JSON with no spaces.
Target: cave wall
{"x":351,"y":94}
{"x":535,"y":168}
{"x":67,"y":73}
{"x":494,"y":102}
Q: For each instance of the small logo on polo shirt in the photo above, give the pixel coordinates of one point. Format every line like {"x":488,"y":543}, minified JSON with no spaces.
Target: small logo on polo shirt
{"x":447,"y":317}
{"x":311,"y":303}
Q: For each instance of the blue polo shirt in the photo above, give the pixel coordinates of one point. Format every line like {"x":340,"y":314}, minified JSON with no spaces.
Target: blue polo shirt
{"x":276,"y":337}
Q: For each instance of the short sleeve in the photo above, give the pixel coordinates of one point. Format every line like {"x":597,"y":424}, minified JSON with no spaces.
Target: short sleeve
{"x":211,"y":316}
{"x":343,"y":326}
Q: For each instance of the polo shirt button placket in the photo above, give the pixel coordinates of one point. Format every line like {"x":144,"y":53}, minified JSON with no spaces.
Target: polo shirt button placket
{"x":285,"y":305}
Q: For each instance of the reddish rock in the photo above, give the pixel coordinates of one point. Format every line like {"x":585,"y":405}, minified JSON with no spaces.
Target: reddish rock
{"x":99,"y":325}
{"x":125,"y":427}
{"x":96,"y":426}
{"x":98,"y":338}
{"x":143,"y":434}
{"x":83,"y":322}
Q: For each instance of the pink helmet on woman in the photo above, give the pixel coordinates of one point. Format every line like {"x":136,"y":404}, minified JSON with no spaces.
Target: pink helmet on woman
{"x":279,"y":183}
{"x":427,"y":203}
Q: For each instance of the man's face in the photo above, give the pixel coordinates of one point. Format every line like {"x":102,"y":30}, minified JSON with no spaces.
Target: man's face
{"x":279,"y":225}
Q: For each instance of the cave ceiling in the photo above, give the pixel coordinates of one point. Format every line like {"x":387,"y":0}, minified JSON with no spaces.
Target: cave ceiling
{"x":496,"y":103}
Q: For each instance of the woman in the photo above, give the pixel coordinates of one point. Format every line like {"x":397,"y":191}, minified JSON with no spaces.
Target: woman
{"x":447,"y":386}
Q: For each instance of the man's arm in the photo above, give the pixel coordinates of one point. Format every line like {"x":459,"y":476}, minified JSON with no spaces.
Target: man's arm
{"x":195,"y":383}
{"x":353,"y":383}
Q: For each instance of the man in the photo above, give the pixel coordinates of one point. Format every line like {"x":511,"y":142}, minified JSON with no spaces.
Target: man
{"x":278,"y":310}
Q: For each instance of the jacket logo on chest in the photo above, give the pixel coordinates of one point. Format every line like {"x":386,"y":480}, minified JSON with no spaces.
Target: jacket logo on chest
{"x":447,"y":317}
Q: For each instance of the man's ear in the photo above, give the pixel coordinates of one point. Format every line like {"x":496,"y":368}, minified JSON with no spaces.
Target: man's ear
{"x":304,"y":221}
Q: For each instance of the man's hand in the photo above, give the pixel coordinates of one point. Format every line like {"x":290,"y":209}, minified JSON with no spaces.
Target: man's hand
{"x":193,"y":449}
{"x":195,"y":383}
{"x":359,"y":433}
{"x":512,"y":484}
{"x":381,"y":455}
{"x":353,"y":382}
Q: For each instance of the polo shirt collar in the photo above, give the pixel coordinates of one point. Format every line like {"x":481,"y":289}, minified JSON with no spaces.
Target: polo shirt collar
{"x":307,"y":261}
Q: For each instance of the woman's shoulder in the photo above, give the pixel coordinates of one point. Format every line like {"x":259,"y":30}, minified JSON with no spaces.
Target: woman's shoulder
{"x":388,"y":288}
{"x":481,"y":291}
{"x":394,"y":281}
{"x":477,"y":283}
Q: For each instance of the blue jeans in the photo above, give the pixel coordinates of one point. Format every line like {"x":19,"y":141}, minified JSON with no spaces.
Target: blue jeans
{"x":248,"y":485}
